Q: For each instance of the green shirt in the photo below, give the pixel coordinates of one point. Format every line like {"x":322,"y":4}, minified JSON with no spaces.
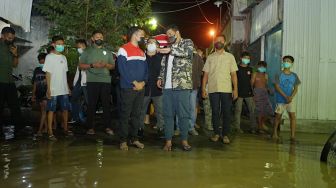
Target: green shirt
{"x":6,"y":63}
{"x":90,"y":56}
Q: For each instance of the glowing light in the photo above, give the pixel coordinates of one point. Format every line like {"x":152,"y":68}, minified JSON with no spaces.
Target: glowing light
{"x":212,"y":32}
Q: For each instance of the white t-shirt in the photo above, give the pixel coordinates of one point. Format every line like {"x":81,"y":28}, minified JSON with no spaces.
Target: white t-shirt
{"x":83,"y":79}
{"x":168,"y":84}
{"x":57,"y":66}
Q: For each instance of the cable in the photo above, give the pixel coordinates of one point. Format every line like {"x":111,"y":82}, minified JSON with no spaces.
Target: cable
{"x":173,"y":3}
{"x":203,"y":13}
{"x":178,"y":10}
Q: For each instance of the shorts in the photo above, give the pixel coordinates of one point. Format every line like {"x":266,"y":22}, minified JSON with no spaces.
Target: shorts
{"x":280,"y":108}
{"x":61,"y":101}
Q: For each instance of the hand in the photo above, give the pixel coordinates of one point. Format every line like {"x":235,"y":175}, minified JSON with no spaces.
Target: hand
{"x":13,"y":50}
{"x":48,"y":94}
{"x":138,"y":86}
{"x":33,"y":98}
{"x":99,"y":64}
{"x":235,"y":94}
{"x":164,"y":50}
{"x":159,"y":84}
{"x":289,"y":99}
{"x":204,"y":94}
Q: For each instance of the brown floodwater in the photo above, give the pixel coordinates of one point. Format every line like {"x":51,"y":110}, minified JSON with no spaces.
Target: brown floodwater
{"x":249,"y":161}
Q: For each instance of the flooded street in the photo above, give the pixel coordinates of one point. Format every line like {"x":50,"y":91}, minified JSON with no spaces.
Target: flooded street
{"x":250,"y":161}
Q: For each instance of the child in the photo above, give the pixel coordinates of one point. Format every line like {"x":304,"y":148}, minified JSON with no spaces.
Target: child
{"x":56,"y":68}
{"x":286,"y":86}
{"x":263,"y":105}
{"x":245,"y":92}
{"x":39,"y":92}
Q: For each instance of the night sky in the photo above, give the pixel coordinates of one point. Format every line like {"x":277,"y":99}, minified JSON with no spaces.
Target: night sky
{"x":191,"y":22}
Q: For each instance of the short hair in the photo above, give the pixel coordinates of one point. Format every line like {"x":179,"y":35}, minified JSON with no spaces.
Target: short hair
{"x":6,"y":30}
{"x":41,"y":56}
{"x":57,"y":38}
{"x":245,"y":53}
{"x":131,"y":31}
{"x":81,"y":41}
{"x":173,"y":27}
{"x":221,"y":36}
{"x":288,"y":57}
{"x":152,"y":38}
{"x":96,"y":32}
{"x":262,"y":63}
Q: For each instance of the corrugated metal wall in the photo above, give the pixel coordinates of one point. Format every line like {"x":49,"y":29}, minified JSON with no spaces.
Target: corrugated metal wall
{"x":309,"y":35}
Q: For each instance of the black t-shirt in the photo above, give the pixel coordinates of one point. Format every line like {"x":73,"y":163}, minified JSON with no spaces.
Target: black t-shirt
{"x":154,"y":66}
{"x":244,"y":75}
{"x":39,"y":78}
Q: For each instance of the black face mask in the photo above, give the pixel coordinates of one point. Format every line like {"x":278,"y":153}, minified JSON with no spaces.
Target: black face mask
{"x":9,"y":42}
{"x":99,"y":42}
{"x":219,"y":45}
{"x":172,"y":39}
{"x":142,"y":41}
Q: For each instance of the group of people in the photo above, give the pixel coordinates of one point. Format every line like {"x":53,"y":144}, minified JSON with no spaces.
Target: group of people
{"x":172,"y":78}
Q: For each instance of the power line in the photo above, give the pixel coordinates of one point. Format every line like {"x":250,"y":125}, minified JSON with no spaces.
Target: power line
{"x":173,"y":3}
{"x":203,"y":13}
{"x":178,"y":10}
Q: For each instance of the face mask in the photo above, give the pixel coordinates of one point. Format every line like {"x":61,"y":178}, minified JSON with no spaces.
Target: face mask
{"x":80,"y":50}
{"x":9,"y":42}
{"x":59,"y":48}
{"x":286,"y":65}
{"x":141,"y":41}
{"x":151,"y":47}
{"x":99,"y":42}
{"x":261,"y":69}
{"x":172,"y":39}
{"x":219,"y":45}
{"x":41,"y":66}
{"x":245,"y":61}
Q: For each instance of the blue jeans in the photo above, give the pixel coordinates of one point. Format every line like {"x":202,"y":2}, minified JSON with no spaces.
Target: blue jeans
{"x":61,"y":100}
{"x":77,"y":92}
{"x":157,"y":101}
{"x":221,"y":104}
{"x":176,"y":102}
{"x":193,"y":103}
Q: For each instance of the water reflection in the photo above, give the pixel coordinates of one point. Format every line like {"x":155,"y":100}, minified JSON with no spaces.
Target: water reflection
{"x":248,"y":162}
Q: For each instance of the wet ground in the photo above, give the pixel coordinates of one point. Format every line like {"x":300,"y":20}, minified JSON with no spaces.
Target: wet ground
{"x":249,"y":161}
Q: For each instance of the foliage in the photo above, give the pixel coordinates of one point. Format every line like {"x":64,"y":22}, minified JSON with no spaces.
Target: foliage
{"x":75,"y":19}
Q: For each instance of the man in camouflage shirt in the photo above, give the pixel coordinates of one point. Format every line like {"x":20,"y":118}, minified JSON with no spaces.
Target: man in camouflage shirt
{"x":176,"y":81}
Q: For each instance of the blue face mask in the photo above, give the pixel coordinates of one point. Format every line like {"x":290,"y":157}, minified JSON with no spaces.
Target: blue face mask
{"x":262,"y":69}
{"x":286,"y":65}
{"x":245,"y":61}
{"x":41,"y":66}
{"x":59,"y":48}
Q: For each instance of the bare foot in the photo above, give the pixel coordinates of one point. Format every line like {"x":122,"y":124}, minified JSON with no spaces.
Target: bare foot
{"x":123,"y":146}
{"x":215,"y":138}
{"x":138,"y":144}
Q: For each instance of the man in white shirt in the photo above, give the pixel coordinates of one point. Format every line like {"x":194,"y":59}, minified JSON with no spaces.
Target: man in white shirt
{"x":56,"y":68}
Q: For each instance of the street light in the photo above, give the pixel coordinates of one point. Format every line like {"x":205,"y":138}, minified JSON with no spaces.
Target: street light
{"x":219,"y":3}
{"x":212,"y":34}
{"x":153,"y":23}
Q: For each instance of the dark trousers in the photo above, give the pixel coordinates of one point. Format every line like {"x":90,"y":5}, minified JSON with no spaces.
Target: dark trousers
{"x":131,"y":108}
{"x":96,"y":91}
{"x":8,"y":94}
{"x":77,"y":92}
{"x":221,"y":104}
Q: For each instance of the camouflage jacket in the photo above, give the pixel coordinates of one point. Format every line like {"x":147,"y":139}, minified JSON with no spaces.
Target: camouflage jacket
{"x":182,"y":65}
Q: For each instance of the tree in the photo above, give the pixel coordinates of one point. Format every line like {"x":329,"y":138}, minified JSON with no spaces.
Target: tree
{"x":79,"y":18}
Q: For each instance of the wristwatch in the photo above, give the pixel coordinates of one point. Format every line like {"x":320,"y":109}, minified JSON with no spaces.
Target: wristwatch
{"x":91,"y":65}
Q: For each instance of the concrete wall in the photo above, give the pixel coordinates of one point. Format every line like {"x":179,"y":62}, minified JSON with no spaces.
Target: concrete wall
{"x":38,"y":35}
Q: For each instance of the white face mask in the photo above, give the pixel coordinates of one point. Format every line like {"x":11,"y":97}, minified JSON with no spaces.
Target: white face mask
{"x":80,"y":50}
{"x":151,"y":47}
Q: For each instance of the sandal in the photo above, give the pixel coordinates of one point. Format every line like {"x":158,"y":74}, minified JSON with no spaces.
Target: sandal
{"x":68,"y":133}
{"x":215,"y":138}
{"x":90,"y":132}
{"x":186,"y":148}
{"x":167,"y":147}
{"x":52,"y":138}
{"x":109,"y":132}
{"x":138,"y":144}
{"x":123,"y":146}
